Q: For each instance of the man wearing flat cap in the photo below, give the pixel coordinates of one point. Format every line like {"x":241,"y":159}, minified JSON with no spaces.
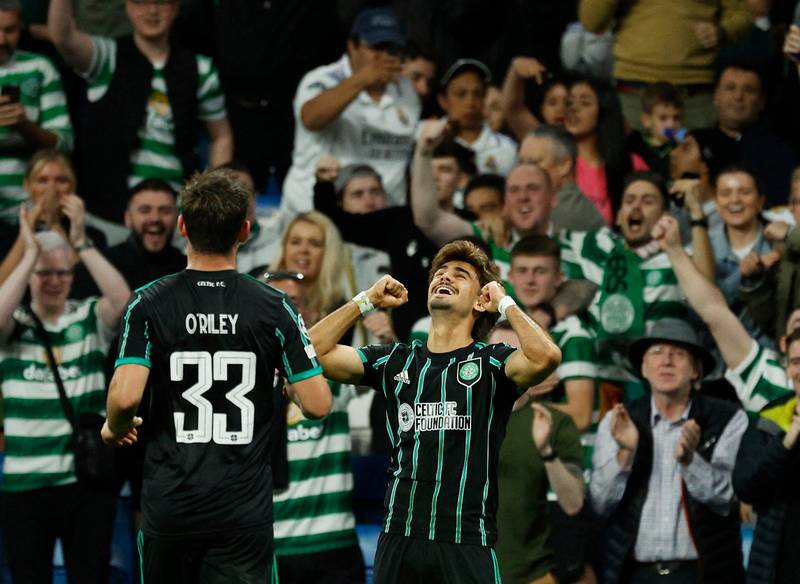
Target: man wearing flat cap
{"x":662,"y":470}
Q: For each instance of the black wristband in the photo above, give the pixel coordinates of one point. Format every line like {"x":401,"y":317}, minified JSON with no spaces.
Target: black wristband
{"x":550,"y":457}
{"x":699,"y":222}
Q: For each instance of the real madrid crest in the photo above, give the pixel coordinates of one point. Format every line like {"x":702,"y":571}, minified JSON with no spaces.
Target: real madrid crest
{"x":469,"y":372}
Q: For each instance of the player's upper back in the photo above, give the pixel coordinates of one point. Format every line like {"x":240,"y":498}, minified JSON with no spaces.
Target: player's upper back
{"x":213,"y":311}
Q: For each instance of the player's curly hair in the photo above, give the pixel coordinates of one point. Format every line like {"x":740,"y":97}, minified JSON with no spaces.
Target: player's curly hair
{"x":465,"y":251}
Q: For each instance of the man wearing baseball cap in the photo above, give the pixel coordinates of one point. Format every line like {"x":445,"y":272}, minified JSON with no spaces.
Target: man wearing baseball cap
{"x":360,"y":110}
{"x":662,"y":470}
{"x":462,"y":95}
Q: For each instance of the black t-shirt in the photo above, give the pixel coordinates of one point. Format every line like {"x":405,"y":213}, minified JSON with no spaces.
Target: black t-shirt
{"x":446,"y":415}
{"x":212,"y":341}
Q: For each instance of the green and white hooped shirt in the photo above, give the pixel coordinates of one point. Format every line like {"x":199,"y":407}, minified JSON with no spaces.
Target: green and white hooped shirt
{"x":315,"y":513}
{"x":38,"y":435}
{"x":156,"y":157}
{"x":760,"y":378}
{"x":42,"y":95}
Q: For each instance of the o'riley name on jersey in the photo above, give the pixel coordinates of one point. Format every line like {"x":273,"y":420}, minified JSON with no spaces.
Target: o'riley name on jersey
{"x":432,"y":417}
{"x":211,"y":324}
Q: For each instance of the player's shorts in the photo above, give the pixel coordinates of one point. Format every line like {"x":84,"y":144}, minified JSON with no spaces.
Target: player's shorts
{"x":408,"y":560}
{"x":336,"y":566}
{"x":241,"y":557}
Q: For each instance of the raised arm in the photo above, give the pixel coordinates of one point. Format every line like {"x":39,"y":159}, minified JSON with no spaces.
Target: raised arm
{"x":323,"y":109}
{"x":566,"y":481}
{"x":113,"y":287}
{"x":538,"y":355}
{"x":515,"y":112}
{"x":75,"y":46}
{"x":704,"y":297}
{"x":339,"y":362}
{"x":688,"y":190}
{"x":220,"y":147}
{"x":12,"y":290}
{"x":438,"y":225}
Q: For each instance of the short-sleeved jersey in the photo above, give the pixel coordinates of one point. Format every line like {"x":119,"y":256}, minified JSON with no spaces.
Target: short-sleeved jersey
{"x":760,"y":378}
{"x":212,"y":341}
{"x":494,"y":152}
{"x":379,"y":133}
{"x":446,"y":415}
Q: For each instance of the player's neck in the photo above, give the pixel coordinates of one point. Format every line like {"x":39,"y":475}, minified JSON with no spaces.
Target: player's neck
{"x":448,"y":333}
{"x":206,"y":262}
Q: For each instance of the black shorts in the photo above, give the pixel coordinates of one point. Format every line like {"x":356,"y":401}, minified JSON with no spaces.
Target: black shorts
{"x":408,"y":560}
{"x":241,"y":557}
{"x":337,"y":566}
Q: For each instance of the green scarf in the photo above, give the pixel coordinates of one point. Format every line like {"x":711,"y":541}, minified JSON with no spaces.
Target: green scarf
{"x":621,"y":296}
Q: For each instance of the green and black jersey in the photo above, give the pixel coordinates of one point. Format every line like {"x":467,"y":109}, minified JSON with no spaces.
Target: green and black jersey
{"x":212,"y":341}
{"x":446,"y":415}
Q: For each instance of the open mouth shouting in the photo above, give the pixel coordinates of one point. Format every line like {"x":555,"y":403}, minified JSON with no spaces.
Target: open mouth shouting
{"x":444,"y":290}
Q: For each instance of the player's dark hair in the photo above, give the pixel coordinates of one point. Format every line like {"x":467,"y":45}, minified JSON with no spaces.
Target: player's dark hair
{"x":469,"y":253}
{"x":214,"y":207}
{"x":536,"y":245}
{"x":660,"y":93}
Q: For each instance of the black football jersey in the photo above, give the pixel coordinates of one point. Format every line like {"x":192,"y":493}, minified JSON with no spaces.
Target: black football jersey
{"x":213,"y":342}
{"x":446,"y":415}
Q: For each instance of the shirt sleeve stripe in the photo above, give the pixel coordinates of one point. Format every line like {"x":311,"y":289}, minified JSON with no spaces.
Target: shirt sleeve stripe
{"x":305,"y":375}
{"x":132,"y":361}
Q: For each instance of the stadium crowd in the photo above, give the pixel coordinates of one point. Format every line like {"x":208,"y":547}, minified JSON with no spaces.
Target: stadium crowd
{"x":631,"y":167}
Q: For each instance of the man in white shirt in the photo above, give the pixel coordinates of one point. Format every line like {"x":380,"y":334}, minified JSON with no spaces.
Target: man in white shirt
{"x":462,"y":97}
{"x":359,"y":109}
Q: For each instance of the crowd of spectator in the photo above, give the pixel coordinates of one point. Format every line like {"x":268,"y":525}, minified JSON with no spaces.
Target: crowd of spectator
{"x":631,"y":167}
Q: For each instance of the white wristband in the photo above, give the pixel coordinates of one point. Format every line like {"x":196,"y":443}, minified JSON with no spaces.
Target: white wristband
{"x":505,"y":303}
{"x":363,"y":303}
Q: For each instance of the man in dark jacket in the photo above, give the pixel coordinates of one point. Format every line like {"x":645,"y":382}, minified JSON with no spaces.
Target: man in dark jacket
{"x":662,"y":470}
{"x":767,"y":473}
{"x":147,"y":254}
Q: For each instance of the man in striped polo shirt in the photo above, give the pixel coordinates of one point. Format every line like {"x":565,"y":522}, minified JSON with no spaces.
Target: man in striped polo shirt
{"x":756,"y":372}
{"x":147,"y":97}
{"x":42,"y":499}
{"x":447,"y":405}
{"x":33,"y":109}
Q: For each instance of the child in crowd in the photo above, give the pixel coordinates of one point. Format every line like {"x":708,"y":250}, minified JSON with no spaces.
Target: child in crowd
{"x":662,"y":120}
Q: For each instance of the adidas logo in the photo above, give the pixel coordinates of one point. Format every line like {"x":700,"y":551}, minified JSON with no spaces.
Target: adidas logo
{"x":402,"y":377}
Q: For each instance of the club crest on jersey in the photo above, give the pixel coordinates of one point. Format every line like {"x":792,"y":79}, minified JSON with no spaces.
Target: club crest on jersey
{"x":469,"y":372}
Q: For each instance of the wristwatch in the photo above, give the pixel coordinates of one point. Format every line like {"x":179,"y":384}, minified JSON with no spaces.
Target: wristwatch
{"x":87,"y":244}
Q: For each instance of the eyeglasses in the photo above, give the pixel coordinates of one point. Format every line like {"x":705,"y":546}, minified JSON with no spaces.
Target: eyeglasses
{"x":282,"y":275}
{"x":60,"y":274}
{"x":679,"y":353}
